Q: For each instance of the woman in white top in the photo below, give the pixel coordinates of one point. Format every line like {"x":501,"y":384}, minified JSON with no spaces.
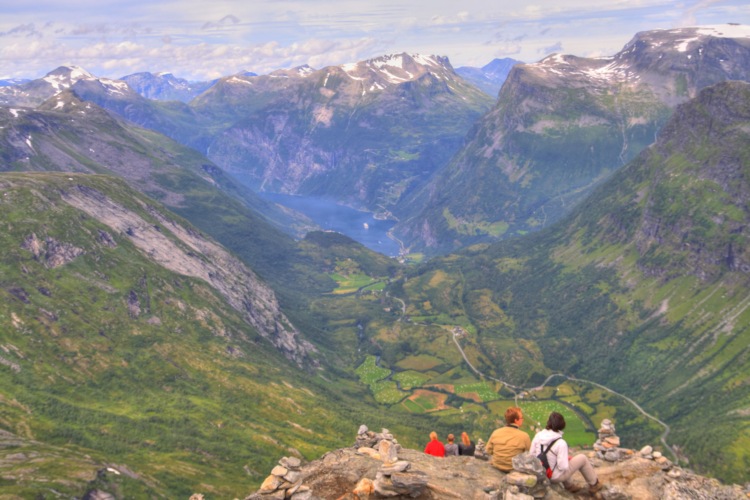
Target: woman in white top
{"x":563,"y":467}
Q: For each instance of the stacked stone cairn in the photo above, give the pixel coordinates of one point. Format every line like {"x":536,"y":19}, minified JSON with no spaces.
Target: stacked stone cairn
{"x":607,"y":447}
{"x":394,"y":477}
{"x":285,"y":482}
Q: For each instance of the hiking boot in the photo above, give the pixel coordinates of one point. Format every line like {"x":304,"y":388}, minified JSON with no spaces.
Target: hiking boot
{"x":595,"y":487}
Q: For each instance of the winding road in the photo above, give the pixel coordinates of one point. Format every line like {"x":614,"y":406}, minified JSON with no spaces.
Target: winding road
{"x":516,"y":390}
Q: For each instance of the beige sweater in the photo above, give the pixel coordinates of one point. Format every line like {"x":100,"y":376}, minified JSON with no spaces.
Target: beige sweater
{"x":504,"y":444}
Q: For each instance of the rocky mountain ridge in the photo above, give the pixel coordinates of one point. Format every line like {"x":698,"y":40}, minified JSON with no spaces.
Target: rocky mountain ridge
{"x":35,"y":92}
{"x":362,"y":133}
{"x":560,"y":127}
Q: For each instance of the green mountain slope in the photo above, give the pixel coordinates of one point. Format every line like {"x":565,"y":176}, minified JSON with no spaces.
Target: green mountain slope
{"x":643,"y":288}
{"x":130,"y":341}
{"x":108,"y":349}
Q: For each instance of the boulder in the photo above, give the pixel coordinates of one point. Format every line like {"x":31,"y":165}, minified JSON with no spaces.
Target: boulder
{"x":292,"y":463}
{"x":364,"y":488}
{"x":529,"y":464}
{"x":387,"y":451}
{"x":520,"y":479}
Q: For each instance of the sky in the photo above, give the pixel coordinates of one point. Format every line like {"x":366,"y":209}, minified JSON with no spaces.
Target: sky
{"x":201,"y":40}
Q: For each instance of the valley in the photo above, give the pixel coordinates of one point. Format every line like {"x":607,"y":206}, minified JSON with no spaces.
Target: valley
{"x":428,"y":383}
{"x":579,"y":244}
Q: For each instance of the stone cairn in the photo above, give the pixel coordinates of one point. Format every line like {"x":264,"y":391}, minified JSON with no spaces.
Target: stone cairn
{"x":394,"y":477}
{"x":285,"y":482}
{"x":607,"y":447}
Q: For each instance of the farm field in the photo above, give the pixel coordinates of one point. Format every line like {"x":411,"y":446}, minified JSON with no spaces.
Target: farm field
{"x":415,"y":386}
{"x":353,"y":282}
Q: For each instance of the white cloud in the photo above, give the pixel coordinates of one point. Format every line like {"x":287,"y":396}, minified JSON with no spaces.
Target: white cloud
{"x":201,"y":40}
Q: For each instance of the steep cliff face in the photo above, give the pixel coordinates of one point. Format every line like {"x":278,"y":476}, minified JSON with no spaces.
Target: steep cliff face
{"x":190,"y":253}
{"x":689,"y":193}
{"x":168,"y":243}
{"x":562,"y":125}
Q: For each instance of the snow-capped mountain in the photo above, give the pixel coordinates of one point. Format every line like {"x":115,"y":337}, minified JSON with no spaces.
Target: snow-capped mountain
{"x":35,"y":92}
{"x":377,"y":127}
{"x":564,"y":124}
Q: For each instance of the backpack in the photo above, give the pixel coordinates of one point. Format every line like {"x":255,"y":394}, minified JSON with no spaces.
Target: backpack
{"x":543,"y":457}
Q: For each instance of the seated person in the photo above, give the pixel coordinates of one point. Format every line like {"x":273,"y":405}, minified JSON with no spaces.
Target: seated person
{"x":562,"y":466}
{"x":509,"y":441}
{"x":466,"y":446}
{"x":435,"y":447}
{"x":451,"y":449}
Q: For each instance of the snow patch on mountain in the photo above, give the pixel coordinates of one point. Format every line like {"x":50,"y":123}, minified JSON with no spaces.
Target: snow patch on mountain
{"x":236,"y":79}
{"x":394,"y":60}
{"x":305,"y":71}
{"x":115,"y":86}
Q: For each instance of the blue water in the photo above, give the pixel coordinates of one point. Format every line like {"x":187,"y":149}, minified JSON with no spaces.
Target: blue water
{"x":328,"y":215}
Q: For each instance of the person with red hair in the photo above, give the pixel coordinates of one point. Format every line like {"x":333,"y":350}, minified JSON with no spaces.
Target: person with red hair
{"x":466,"y":446}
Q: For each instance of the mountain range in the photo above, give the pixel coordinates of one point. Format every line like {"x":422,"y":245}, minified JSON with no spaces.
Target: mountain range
{"x":363,"y":134}
{"x":162,"y":321}
{"x":560,"y":127}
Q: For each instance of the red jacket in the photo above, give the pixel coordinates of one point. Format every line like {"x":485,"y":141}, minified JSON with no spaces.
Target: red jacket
{"x":435,"y":448}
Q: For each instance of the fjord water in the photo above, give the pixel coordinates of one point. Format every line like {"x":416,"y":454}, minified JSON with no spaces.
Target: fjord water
{"x":359,"y":226}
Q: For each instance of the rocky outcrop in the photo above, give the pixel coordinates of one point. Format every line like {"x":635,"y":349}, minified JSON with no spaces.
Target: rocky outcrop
{"x":51,"y":252}
{"x":378,"y":467}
